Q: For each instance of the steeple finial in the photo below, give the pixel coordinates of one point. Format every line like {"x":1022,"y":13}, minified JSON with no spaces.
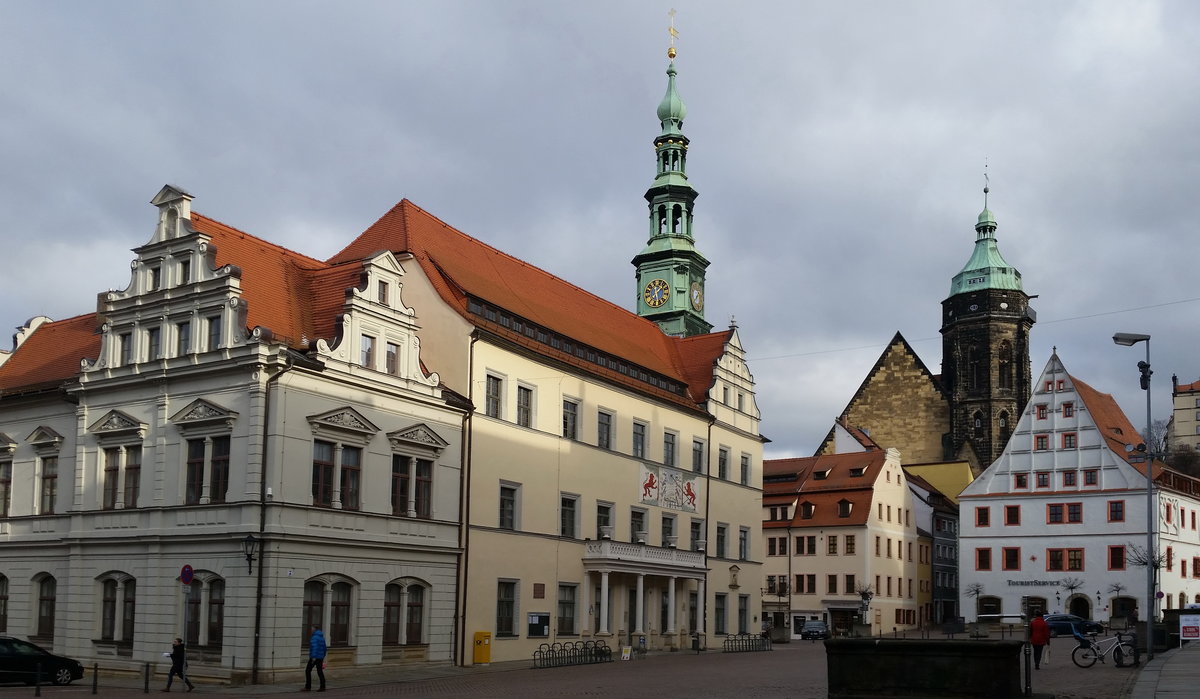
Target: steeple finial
{"x":986,"y":181}
{"x":672,"y":32}
{"x":987,"y":222}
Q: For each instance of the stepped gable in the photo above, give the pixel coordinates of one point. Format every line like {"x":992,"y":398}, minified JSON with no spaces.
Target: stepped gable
{"x":461,"y":267}
{"x":51,"y":355}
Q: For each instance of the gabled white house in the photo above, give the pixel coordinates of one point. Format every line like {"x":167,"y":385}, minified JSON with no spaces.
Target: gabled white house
{"x":1058,"y":522}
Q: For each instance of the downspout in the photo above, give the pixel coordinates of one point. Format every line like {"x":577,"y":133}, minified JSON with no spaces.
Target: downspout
{"x":702,"y":613}
{"x":262,"y":519}
{"x":464,"y":499}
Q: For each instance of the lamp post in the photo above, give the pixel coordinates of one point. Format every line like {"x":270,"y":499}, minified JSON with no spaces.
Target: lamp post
{"x":1129,"y":340}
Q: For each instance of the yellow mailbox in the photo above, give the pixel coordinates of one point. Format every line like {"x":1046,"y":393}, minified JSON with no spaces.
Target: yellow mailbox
{"x":483,"y":647}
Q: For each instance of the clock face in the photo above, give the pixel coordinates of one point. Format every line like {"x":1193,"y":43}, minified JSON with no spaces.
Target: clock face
{"x":697,"y":296}
{"x":656,"y":293}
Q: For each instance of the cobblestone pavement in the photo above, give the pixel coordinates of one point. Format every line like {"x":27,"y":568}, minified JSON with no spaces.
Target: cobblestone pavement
{"x":794,"y":669}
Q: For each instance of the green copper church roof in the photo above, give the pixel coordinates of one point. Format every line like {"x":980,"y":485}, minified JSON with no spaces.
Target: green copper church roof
{"x":986,"y":269}
{"x":671,"y":110}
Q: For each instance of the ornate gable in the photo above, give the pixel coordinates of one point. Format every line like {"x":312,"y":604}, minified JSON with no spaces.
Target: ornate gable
{"x":342,"y":423}
{"x":118,"y":424}
{"x":201,"y":413}
{"x":419,"y":436}
{"x":7,"y":444}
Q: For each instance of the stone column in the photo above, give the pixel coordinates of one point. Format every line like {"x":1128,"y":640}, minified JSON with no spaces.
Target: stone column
{"x":701,"y":604}
{"x":671,"y":605}
{"x":204,"y":484}
{"x":119,"y":501}
{"x":336,"y":485}
{"x":604,"y":602}
{"x":585,"y":590}
{"x":411,"y":469}
{"x":639,"y":623}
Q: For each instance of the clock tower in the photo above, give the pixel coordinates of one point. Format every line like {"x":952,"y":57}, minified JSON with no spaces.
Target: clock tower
{"x":670,"y":271}
{"x":985,"y":350}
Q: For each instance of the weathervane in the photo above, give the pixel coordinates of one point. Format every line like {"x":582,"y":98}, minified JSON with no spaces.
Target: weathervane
{"x":673,"y":32}
{"x":986,"y":182}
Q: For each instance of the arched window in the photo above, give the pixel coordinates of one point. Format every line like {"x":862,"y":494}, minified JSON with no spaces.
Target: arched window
{"x":108,"y":610}
{"x":195,"y":595}
{"x":977,"y":425}
{"x":339,"y":617}
{"x":118,"y":604}
{"x":1005,"y":365}
{"x":414,"y":632}
{"x":47,"y":597}
{"x":1005,"y":428}
{"x":216,"y":613}
{"x":313,"y":607}
{"x":329,"y":603}
{"x":392,"y":606}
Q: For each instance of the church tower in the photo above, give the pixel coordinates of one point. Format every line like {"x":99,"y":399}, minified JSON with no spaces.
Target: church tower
{"x":985,"y":350}
{"x":670,"y":271}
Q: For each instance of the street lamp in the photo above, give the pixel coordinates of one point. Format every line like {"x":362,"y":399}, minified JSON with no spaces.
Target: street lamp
{"x":250,"y":547}
{"x":1129,"y":340}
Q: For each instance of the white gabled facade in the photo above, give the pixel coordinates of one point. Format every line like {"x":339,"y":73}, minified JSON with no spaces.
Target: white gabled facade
{"x":1058,"y":521}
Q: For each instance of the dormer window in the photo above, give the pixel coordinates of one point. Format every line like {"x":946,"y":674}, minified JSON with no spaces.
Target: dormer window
{"x":382,"y":292}
{"x":125,"y":349}
{"x":844,"y":507}
{"x":185,"y":271}
{"x":857,"y":472}
{"x":155,"y":278}
{"x":821,"y":475}
{"x":806,"y":510}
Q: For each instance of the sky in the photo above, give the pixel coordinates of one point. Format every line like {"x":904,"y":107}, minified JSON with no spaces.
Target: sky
{"x":839,"y":151}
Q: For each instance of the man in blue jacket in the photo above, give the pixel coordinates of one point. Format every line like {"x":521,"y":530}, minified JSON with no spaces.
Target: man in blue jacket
{"x":316,"y":658}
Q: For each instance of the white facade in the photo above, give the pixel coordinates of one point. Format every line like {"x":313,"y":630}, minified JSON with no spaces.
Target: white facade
{"x":1058,"y":521}
{"x":182,"y":433}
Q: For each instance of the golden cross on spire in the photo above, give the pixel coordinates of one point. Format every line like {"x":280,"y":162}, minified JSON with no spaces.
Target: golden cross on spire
{"x":673,"y":32}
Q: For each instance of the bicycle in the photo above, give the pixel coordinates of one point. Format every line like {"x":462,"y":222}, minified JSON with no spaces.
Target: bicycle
{"x":1090,"y":650}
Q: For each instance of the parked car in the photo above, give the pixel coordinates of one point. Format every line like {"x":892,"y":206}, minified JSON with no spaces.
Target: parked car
{"x":19,"y":662}
{"x":814,"y":630}
{"x":1062,"y":624}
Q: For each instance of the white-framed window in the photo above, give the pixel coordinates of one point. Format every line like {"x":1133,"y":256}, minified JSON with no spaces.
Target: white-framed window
{"x":720,"y":612}
{"x":5,"y":487}
{"x":183,"y":338}
{"x":570,"y":419}
{"x":510,"y":505}
{"x":639,"y":440}
{"x":381,"y":292}
{"x":604,"y":520}
{"x":669,"y":537}
{"x":698,"y":455}
{"x":48,"y":482}
{"x":745,"y":468}
{"x":392,"y":358}
{"x":568,"y":515}
{"x":723,"y":463}
{"x":185,"y":271}
{"x":722,"y":536}
{"x":525,"y":406}
{"x":214,"y":333}
{"x":670,"y":440}
{"x":493,"y":397}
{"x":604,"y":428}
{"x":367,"y":352}
{"x":153,"y":344}
{"x":122,"y":476}
{"x":743,"y":543}
{"x":568,"y":610}
{"x":47,"y":602}
{"x":507,"y":608}
{"x":697,"y":534}
{"x":638,"y":529}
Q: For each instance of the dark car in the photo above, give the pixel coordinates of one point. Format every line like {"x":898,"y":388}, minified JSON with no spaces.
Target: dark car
{"x":1062,"y":624}
{"x":814,"y":630}
{"x":19,"y":661}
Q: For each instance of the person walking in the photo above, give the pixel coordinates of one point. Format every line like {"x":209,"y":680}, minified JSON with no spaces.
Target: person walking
{"x":178,"y":656}
{"x":316,"y":658}
{"x":1039,"y":638}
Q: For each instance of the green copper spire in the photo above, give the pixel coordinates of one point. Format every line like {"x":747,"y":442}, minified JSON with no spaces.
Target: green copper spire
{"x":986,"y":269}
{"x":671,"y":110}
{"x":670,"y":271}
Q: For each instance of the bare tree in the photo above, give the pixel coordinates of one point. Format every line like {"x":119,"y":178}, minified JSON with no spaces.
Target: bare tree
{"x":1071,"y":584}
{"x":974,"y":590}
{"x":1117,"y":589}
{"x":1157,"y":439}
{"x":1141,"y":557}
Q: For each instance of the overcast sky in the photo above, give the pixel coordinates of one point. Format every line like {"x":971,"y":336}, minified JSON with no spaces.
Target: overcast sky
{"x":838,"y":149}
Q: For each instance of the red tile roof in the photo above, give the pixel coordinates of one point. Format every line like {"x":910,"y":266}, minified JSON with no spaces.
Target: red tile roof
{"x":51,"y":354}
{"x":1187,"y":387}
{"x":299,"y":298}
{"x":825,"y":493}
{"x":1114,"y":426}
